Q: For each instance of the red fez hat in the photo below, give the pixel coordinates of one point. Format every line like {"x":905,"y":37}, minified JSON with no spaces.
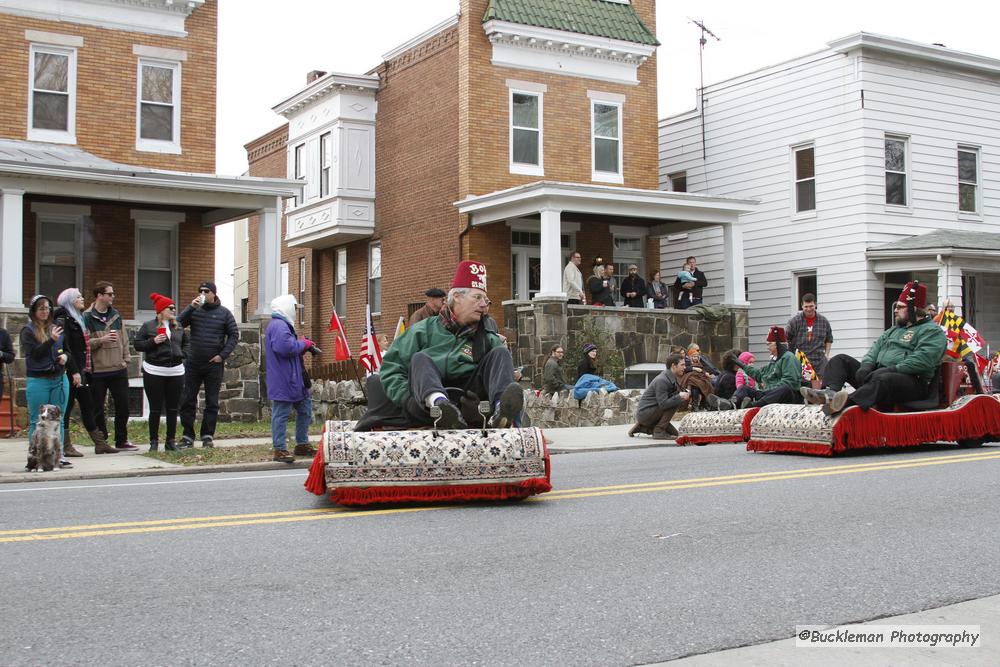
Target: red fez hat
{"x":470,"y":274}
{"x":777,"y":335}
{"x":160,"y":302}
{"x":914,"y":293}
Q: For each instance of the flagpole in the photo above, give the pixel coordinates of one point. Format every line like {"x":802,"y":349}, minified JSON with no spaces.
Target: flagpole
{"x":357,"y":375}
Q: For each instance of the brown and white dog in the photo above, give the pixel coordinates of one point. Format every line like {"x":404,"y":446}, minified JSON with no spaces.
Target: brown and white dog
{"x":45,"y":448}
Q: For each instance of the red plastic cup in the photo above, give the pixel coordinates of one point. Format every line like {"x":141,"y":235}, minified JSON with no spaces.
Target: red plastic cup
{"x":161,"y":331}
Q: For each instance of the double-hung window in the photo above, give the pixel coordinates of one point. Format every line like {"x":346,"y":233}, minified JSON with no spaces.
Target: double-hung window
{"x":375,"y":276}
{"x":526,"y":140}
{"x":302,"y":290}
{"x":156,"y":260}
{"x":52,"y":98}
{"x":895,"y":171}
{"x":805,"y":178}
{"x":325,"y":163}
{"x":159,"y":107}
{"x":968,"y":179}
{"x":606,"y":140}
{"x":340,"y":283}
{"x":299,"y":168}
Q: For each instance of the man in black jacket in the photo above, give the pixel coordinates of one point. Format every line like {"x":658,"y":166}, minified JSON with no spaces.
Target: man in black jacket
{"x":700,"y":282}
{"x":213,"y":337}
{"x":662,"y":398}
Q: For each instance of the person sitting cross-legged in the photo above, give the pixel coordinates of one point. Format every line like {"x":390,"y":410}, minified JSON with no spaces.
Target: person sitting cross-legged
{"x":661,"y":399}
{"x":898,"y":367}
{"x":448,"y":361}
{"x":781,"y":377}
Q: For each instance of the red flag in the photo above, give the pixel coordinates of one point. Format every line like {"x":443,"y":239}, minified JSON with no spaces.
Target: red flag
{"x":342,"y":350}
{"x":371,"y":354}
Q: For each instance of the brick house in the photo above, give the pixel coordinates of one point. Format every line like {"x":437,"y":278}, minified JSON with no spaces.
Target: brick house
{"x":511,"y":133}
{"x":107,"y":150}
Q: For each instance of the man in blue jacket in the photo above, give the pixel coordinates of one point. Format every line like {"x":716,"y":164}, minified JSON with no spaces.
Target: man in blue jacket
{"x":286,"y":380}
{"x":213,"y":337}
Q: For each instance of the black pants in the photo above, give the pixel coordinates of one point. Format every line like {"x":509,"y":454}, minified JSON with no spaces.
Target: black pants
{"x":85,"y":398}
{"x":882,"y":390}
{"x":196,"y":374}
{"x":163,"y":393}
{"x":118,"y":385}
{"x":494,"y":372}
{"x":779,"y":394}
{"x":655,"y":417}
{"x":746,"y":391}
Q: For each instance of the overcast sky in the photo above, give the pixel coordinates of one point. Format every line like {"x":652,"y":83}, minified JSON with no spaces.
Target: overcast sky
{"x":266,"y":48}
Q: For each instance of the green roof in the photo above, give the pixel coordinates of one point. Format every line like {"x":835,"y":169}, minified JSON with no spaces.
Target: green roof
{"x":602,"y":18}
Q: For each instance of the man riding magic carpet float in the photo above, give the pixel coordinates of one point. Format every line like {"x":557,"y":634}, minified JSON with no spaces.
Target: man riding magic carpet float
{"x":453,"y":373}
{"x":903,"y":392}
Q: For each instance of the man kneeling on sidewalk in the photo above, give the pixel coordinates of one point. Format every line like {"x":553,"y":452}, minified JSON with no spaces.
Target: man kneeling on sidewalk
{"x":897,"y":368}
{"x":662,"y":398}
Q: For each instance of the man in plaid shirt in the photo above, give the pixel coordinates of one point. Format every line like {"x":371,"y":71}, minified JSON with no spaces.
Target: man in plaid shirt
{"x":810,"y":333}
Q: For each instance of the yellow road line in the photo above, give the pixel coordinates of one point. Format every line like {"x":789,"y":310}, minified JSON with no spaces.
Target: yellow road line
{"x":296,"y":516}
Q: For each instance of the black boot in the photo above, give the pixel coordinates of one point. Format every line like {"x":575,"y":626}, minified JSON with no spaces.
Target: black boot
{"x":170,"y":445}
{"x":153,"y":445}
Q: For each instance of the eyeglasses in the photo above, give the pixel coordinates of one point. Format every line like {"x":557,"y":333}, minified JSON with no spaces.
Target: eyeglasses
{"x":481,"y":298}
{"x":204,"y":291}
{"x":107,"y":293}
{"x":171,"y":307}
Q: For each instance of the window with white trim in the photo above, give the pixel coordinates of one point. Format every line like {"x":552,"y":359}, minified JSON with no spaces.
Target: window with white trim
{"x":283,"y":277}
{"x":302,"y":290}
{"x":340,"y":283}
{"x":58,"y":256}
{"x":678,"y":181}
{"x":52,"y":98}
{"x":299,"y":168}
{"x":526,"y":133}
{"x":156,"y":261}
{"x":805,"y":178}
{"x":375,"y":276}
{"x":628,"y":251}
{"x":968,"y":179}
{"x":895,"y":171}
{"x":606,"y":124}
{"x":158,"y":121}
{"x":325,"y":163}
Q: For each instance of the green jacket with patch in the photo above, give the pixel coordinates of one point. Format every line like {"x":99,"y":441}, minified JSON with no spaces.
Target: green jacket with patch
{"x":915,"y":349}
{"x":451,"y":353}
{"x":786,"y":369}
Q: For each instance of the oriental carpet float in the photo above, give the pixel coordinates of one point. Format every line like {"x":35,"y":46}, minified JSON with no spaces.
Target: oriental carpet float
{"x":969,"y":421}
{"x":427,"y":466}
{"x":715,"y":426}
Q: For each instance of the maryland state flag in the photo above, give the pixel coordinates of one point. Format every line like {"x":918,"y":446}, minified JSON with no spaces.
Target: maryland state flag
{"x":400,"y":328}
{"x":963,"y":339}
{"x":808,"y":372}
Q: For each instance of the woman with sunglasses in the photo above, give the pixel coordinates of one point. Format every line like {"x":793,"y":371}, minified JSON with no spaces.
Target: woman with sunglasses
{"x":69,"y":315}
{"x":162,"y":341}
{"x":45,"y":361}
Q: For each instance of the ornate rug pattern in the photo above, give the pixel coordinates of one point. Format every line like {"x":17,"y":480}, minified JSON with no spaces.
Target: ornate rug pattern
{"x":805,"y":429}
{"x":400,"y":458}
{"x":713,"y":426}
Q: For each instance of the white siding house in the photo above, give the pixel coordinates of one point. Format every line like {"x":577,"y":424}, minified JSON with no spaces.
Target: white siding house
{"x":852,"y":152}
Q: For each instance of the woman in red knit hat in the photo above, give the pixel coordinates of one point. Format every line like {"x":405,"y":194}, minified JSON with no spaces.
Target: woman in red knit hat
{"x":162,"y":341}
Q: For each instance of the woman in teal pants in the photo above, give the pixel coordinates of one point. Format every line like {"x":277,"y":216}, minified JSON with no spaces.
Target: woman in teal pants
{"x":46,"y":363}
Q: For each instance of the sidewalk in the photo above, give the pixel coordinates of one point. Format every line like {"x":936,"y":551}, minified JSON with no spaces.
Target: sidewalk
{"x":13,"y":455}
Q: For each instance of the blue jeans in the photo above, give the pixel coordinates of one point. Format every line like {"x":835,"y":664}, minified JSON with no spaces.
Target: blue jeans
{"x":279,"y":421}
{"x":42,"y":391}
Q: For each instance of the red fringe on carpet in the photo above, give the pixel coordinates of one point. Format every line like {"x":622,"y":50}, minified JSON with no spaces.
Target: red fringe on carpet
{"x":815,"y":448}
{"x":707,"y":439}
{"x":747,"y":418}
{"x":375,"y":495}
{"x":857,"y":429}
{"x":316,"y":481}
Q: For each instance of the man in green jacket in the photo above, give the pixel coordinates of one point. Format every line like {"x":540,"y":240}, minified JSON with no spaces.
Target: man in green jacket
{"x":781,"y":378}
{"x":897,"y":368}
{"x":452,"y":357}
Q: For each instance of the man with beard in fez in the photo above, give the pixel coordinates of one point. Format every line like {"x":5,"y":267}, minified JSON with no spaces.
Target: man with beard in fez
{"x":451,"y":361}
{"x":897,"y":368}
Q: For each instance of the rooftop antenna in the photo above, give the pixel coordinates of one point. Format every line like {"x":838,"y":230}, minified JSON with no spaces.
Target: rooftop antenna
{"x":702,"y":41}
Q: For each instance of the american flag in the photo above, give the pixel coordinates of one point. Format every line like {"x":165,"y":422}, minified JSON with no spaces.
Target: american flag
{"x":371,"y":354}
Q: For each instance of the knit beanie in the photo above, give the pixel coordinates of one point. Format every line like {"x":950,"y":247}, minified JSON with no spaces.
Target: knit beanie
{"x":160,"y":302}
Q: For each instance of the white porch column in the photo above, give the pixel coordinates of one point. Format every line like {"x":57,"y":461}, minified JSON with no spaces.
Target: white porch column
{"x":551,"y":261}
{"x":12,"y":248}
{"x":949,"y":287}
{"x":268,"y":258}
{"x":732,"y":246}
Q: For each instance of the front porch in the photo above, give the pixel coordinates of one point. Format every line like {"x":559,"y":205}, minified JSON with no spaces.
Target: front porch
{"x":629,"y":218}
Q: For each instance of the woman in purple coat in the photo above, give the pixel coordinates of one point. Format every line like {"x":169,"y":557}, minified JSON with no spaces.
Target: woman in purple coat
{"x":286,"y":380}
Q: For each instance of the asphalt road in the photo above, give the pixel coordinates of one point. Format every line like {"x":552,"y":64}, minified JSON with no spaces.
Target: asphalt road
{"x":636,"y":557}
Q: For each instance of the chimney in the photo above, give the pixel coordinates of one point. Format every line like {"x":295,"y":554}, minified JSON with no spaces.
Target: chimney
{"x":313,"y":75}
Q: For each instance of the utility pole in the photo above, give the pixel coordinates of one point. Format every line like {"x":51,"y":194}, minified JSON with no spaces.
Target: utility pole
{"x":705,"y":34}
